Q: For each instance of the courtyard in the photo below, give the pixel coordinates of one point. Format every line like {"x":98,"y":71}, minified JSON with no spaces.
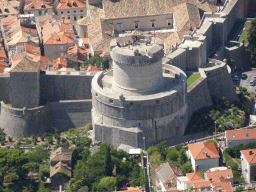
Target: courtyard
{"x":246,"y":82}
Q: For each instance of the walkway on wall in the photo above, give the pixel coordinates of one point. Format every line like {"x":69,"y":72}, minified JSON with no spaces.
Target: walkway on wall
{"x":236,"y":30}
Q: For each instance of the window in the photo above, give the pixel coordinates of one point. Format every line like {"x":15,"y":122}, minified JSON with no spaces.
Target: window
{"x":247,"y":135}
{"x":74,"y":11}
{"x":81,"y":17}
{"x":228,"y":176}
{"x":45,"y":11}
{"x":136,"y":25}
{"x":68,"y":11}
{"x":61,"y":12}
{"x":153,"y":24}
{"x":81,"y":10}
{"x":111,"y":101}
{"x":40,"y":12}
{"x":233,"y":136}
{"x":68,"y":17}
{"x":74,"y":18}
{"x":28,"y":12}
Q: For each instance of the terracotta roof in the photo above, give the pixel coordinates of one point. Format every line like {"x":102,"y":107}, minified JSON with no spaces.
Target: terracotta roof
{"x":39,"y":58}
{"x":14,"y":3}
{"x":60,"y":166}
{"x":240,"y":134}
{"x":25,"y":65}
{"x":61,"y":154}
{"x":131,"y":190}
{"x":205,"y":150}
{"x":137,"y":8}
{"x":202,"y":184}
{"x":59,"y":63}
{"x":85,"y":41}
{"x":3,"y":54}
{"x":31,"y":49}
{"x":69,"y":4}
{"x":7,"y":9}
{"x":3,"y":65}
{"x":217,"y":174}
{"x":250,"y":190}
{"x":60,"y":39}
{"x":76,"y":49}
{"x":250,"y":155}
{"x":226,"y":185}
{"x":92,"y":68}
{"x":38,"y":4}
{"x":29,"y":30}
{"x":194,"y":176}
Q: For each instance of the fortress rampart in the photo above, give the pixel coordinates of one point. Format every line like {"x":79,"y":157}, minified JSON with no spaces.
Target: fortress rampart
{"x":65,"y":96}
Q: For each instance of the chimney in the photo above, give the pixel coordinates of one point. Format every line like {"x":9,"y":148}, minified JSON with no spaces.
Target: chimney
{"x":63,"y":19}
{"x":60,"y":188}
{"x":115,"y":188}
{"x":250,"y":152}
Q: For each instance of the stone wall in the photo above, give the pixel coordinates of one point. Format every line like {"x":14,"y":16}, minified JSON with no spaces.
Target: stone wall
{"x":237,"y":51}
{"x":56,"y":51}
{"x":198,"y":94}
{"x":24,"y":122}
{"x":5,"y":89}
{"x":57,"y":87}
{"x":219,"y":81}
{"x":70,"y":114}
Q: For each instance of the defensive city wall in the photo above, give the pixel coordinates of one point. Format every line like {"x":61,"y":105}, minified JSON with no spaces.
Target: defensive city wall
{"x":65,"y":97}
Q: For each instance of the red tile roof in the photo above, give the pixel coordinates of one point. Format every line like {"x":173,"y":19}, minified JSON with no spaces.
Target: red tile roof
{"x":29,"y":30}
{"x":38,"y":4}
{"x":59,"y":63}
{"x":39,"y":58}
{"x":250,"y":155}
{"x":226,"y":185}
{"x":31,"y":49}
{"x":92,"y":68}
{"x":85,"y":41}
{"x":217,"y":174}
{"x":3,"y":65}
{"x":61,"y":39}
{"x":77,"y":49}
{"x":202,"y":184}
{"x":194,"y":176}
{"x":3,"y":54}
{"x":240,"y":134}
{"x":69,"y":4}
{"x":205,"y":150}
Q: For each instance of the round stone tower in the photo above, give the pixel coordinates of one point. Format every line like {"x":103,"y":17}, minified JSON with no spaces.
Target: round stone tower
{"x":140,"y":101}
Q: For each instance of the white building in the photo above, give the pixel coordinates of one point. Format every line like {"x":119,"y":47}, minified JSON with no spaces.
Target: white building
{"x":203,"y":155}
{"x":248,"y":164}
{"x":73,"y":10}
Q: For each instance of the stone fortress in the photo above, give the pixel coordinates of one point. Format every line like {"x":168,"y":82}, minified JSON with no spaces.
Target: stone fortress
{"x":63,"y":100}
{"x":140,"y":97}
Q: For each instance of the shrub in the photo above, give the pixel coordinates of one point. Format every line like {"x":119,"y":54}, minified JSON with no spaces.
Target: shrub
{"x":10,"y":139}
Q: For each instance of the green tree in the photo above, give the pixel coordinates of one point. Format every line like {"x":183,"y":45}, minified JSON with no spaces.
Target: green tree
{"x":239,"y":189}
{"x":13,"y":161}
{"x":107,"y":164}
{"x":252,"y":41}
{"x":10,"y":139}
{"x":97,"y":61}
{"x":82,"y":172}
{"x":44,"y":171}
{"x":38,"y":154}
{"x":107,"y":184}
{"x":41,"y":187}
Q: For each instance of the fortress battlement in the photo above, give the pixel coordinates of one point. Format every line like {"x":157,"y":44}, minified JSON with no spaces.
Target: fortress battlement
{"x":144,"y":51}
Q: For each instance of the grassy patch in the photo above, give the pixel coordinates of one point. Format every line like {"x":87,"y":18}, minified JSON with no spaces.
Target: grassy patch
{"x":193,"y":78}
{"x":244,"y":34}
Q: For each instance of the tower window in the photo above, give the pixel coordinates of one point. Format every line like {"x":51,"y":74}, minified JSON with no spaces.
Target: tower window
{"x":136,"y":25}
{"x":153,"y":24}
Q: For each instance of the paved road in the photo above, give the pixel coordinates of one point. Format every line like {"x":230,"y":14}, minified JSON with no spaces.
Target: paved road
{"x":246,"y":82}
